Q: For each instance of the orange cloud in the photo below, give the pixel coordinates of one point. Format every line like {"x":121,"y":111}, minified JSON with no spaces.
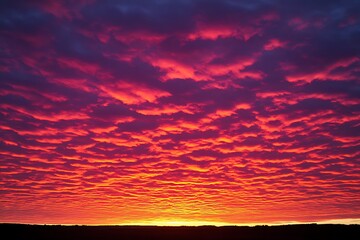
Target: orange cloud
{"x":129,"y":94}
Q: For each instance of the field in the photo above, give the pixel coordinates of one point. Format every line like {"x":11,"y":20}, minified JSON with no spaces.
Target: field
{"x":288,"y":232}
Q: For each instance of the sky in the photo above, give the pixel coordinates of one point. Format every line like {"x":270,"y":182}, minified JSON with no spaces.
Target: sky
{"x":179,"y":112}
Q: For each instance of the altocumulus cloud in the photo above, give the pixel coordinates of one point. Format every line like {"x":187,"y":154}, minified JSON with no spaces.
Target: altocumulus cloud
{"x":224,"y":111}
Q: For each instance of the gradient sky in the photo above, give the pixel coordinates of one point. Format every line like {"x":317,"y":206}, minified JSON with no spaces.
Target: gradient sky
{"x":232,"y":112}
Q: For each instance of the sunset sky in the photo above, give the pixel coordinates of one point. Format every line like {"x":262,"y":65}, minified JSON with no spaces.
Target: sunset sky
{"x":180,"y":111}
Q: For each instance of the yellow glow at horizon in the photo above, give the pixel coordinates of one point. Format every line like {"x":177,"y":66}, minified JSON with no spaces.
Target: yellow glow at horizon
{"x":177,"y":222}
{"x":184,"y":222}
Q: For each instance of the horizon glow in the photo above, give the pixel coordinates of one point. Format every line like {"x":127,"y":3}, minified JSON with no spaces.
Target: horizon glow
{"x":180,"y":112}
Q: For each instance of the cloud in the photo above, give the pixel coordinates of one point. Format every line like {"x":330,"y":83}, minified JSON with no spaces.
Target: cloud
{"x":129,"y":111}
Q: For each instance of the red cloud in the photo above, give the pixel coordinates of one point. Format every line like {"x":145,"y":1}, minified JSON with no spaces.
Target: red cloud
{"x":273,"y":44}
{"x":132,"y":94}
{"x":166,"y":111}
{"x":327,"y":72}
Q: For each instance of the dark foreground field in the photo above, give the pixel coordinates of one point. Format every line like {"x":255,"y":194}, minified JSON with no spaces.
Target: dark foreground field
{"x":288,"y":232}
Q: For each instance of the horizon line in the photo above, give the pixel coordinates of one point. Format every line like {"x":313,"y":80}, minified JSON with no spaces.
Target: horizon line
{"x":353,"y":221}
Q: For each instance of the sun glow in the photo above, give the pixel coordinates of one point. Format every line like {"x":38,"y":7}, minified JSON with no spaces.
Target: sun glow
{"x":177,"y":222}
{"x":196,"y":223}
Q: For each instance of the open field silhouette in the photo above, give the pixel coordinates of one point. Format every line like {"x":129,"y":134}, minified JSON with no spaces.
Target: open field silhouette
{"x":288,"y":232}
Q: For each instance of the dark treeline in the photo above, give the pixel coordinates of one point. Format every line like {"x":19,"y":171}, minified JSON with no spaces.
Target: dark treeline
{"x":288,"y":232}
